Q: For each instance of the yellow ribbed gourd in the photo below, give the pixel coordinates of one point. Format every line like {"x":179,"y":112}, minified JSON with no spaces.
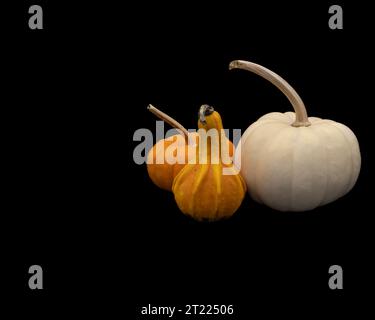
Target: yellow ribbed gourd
{"x":201,"y":189}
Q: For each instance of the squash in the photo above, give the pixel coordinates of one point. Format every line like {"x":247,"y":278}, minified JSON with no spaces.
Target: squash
{"x":208,"y":188}
{"x":163,"y":174}
{"x":160,"y":166}
{"x":292,"y":162}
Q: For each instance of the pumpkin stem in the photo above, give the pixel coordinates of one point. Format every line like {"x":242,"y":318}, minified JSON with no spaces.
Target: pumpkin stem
{"x":293,"y":97}
{"x":169,"y":120}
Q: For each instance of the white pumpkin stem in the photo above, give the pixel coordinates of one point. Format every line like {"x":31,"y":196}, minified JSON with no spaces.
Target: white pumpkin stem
{"x":175,"y":124}
{"x":296,"y":101}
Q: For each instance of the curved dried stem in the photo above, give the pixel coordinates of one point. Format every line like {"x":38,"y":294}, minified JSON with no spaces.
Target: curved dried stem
{"x":296,"y":101}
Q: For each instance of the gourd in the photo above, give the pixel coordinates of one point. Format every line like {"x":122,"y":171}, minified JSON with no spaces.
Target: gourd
{"x":211,"y":189}
{"x":292,"y":162}
{"x":160,"y":166}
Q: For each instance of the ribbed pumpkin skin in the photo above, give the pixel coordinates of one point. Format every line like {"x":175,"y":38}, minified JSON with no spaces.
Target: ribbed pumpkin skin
{"x":163,"y":174}
{"x":298,"y":169}
{"x":201,"y":190}
{"x":204,"y":193}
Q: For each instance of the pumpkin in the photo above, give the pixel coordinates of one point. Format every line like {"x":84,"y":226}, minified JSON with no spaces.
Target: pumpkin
{"x":160,"y":165}
{"x":292,"y":162}
{"x":208,"y":188}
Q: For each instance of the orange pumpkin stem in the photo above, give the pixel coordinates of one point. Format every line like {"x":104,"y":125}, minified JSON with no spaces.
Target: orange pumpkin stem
{"x":175,"y":124}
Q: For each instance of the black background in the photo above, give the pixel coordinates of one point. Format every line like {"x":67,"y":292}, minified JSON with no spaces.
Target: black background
{"x":107,"y":238}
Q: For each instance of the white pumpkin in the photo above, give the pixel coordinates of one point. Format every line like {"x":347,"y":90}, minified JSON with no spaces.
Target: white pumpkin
{"x":292,"y":162}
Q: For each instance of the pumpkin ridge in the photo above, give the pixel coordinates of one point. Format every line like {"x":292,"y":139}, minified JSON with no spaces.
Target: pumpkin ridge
{"x":347,"y":188}
{"x":292,"y":169}
{"x":201,"y":173}
{"x":356,"y":150}
{"x":255,"y":192}
{"x":179,"y":175}
{"x":243,"y":182}
{"x":324,"y":147}
{"x":219,"y":190}
{"x":264,"y":149}
{"x":237,"y":183}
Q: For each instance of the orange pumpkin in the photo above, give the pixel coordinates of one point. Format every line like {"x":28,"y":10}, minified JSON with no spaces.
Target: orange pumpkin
{"x":159,"y":159}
